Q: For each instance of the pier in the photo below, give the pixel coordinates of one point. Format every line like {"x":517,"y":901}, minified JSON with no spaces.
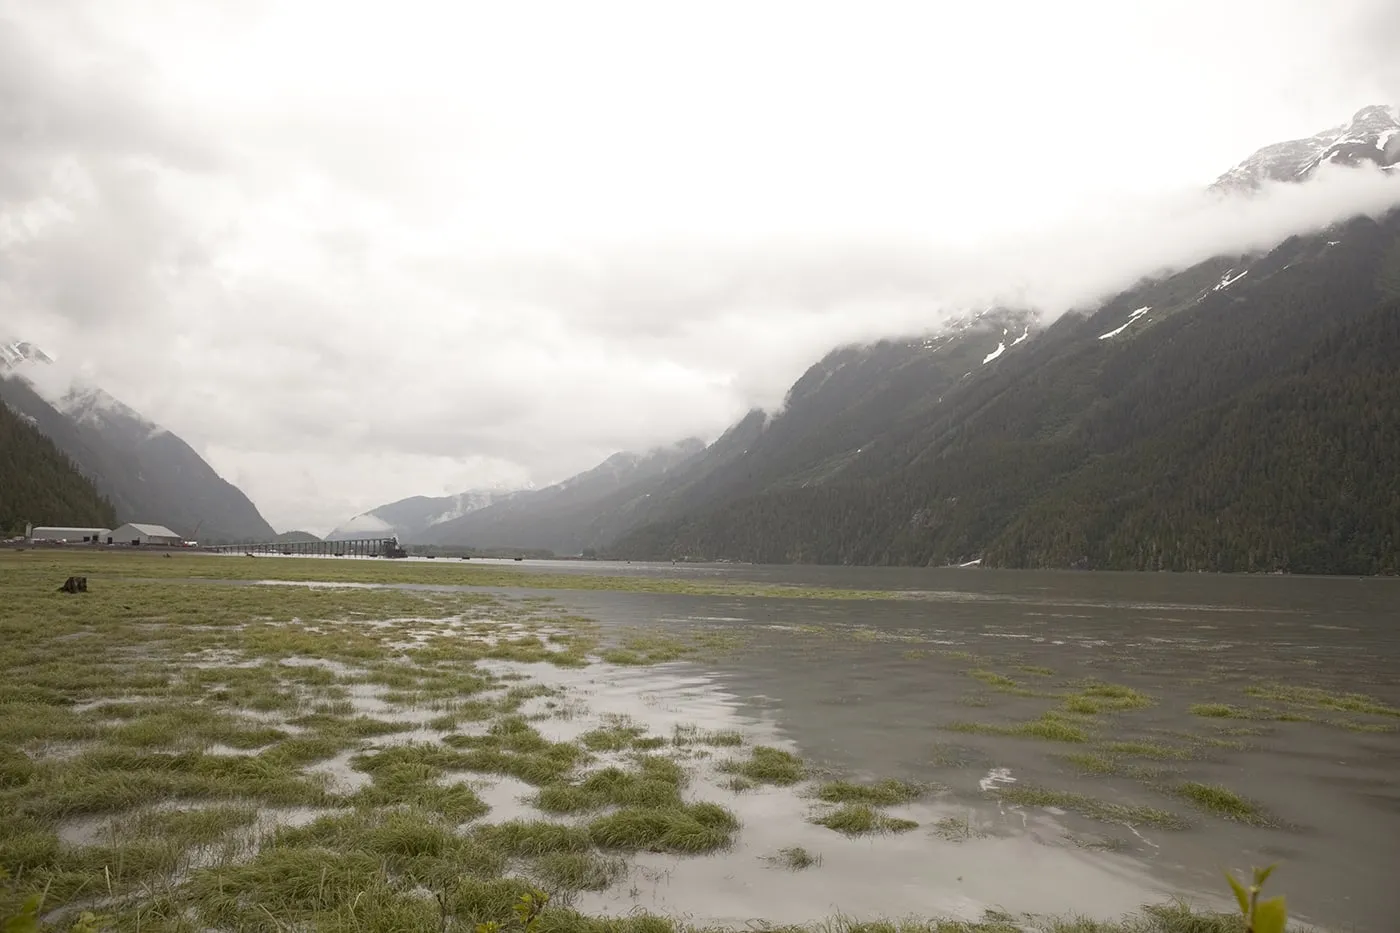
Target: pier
{"x":358,"y":547}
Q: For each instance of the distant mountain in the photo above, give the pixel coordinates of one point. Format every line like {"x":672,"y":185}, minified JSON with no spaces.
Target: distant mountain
{"x":1372,"y":136}
{"x":148,"y":474}
{"x":578,"y":514}
{"x":38,"y":482}
{"x":412,"y":519}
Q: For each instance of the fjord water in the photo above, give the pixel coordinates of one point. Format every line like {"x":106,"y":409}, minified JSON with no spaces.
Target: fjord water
{"x":867,"y":688}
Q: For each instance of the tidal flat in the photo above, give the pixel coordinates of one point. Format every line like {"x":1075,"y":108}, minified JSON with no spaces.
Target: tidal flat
{"x":222,"y":743}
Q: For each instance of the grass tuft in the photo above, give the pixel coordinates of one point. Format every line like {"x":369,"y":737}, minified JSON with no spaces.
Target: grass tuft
{"x":1088,"y":806}
{"x":768,"y":765}
{"x":1154,"y":750}
{"x":860,"y":819}
{"x":1222,"y":711}
{"x":1095,"y":697}
{"x":697,"y":827}
{"x":1322,"y":699}
{"x":882,"y":794}
{"x":793,"y":858}
{"x":578,"y":871}
{"x":533,"y":838}
{"x":1048,"y":727}
{"x":1223,"y":802}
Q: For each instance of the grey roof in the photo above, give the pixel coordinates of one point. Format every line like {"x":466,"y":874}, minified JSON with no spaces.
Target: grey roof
{"x":153,"y":531}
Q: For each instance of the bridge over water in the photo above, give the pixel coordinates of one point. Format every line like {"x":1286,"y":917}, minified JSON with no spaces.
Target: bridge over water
{"x":358,"y":547}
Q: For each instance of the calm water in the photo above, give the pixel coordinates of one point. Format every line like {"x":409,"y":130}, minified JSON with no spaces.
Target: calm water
{"x":865,"y":687}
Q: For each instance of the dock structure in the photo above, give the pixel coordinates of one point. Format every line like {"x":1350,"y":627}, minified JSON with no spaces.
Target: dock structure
{"x":357,"y":547}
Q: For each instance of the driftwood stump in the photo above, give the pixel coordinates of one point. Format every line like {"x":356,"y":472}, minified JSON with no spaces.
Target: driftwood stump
{"x":74,"y":585}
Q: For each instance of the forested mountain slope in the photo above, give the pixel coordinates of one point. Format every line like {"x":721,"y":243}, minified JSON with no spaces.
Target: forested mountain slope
{"x":1222,"y":418}
{"x":843,"y":404}
{"x":149,"y":474}
{"x":39,"y":484}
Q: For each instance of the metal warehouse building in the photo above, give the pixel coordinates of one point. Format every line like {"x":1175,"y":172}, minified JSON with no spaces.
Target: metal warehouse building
{"x":132,"y":533}
{"x":57,"y":533}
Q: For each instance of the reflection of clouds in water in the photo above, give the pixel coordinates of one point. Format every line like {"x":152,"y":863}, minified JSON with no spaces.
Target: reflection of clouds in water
{"x":660,"y":698}
{"x":1019,"y":861}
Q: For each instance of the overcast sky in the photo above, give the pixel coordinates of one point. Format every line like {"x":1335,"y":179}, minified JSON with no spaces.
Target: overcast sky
{"x":359,"y":251}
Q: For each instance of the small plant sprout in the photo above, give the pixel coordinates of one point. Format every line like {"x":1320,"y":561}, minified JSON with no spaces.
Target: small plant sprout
{"x":1269,"y":916}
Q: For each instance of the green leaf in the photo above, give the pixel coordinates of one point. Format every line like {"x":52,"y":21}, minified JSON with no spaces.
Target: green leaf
{"x":1241,"y":894}
{"x":1270,"y":916}
{"x":1261,"y":875}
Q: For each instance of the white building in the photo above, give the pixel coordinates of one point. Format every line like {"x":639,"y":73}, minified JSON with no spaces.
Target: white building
{"x":133,"y":533}
{"x":56,"y":533}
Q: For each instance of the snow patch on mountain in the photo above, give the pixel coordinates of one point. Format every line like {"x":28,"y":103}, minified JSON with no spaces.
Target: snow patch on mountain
{"x":1228,"y":279}
{"x":1124,"y":326}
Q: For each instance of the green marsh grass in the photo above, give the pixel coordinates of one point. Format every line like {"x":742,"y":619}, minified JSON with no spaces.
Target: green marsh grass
{"x":1316,"y":698}
{"x":578,"y":871}
{"x":1049,"y":727}
{"x":1095,"y":697}
{"x":534,"y":838}
{"x":1091,"y":807}
{"x":646,"y":787}
{"x":1097,"y":763}
{"x":1223,"y":802}
{"x":1157,"y":751}
{"x":861,"y":819}
{"x":616,"y":734}
{"x":687,"y":828}
{"x":106,"y":567}
{"x":1225,"y":711}
{"x":881,"y":794}
{"x":768,"y":765}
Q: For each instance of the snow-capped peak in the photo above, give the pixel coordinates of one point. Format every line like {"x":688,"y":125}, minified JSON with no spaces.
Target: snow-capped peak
{"x":15,"y":353}
{"x":1372,"y":135}
{"x":64,"y":389}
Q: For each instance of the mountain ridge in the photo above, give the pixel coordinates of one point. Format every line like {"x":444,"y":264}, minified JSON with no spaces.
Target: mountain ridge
{"x":566,"y":517}
{"x":1027,"y":466}
{"x":148,"y":473}
{"x":411,"y":517}
{"x":1372,"y":135}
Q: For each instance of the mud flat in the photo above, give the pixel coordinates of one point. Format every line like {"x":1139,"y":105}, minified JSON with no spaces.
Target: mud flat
{"x":182,"y":754}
